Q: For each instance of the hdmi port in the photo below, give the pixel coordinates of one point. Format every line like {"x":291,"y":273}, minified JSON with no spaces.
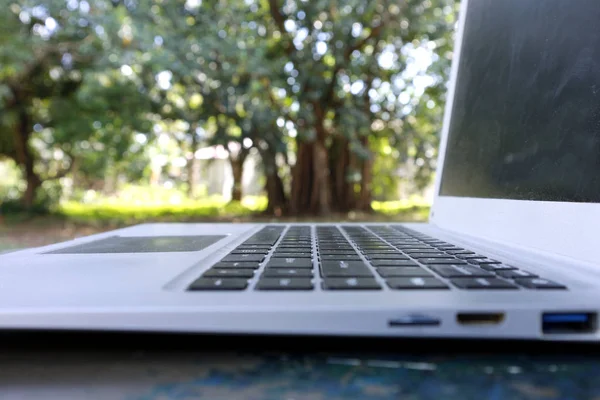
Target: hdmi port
{"x":479,"y":318}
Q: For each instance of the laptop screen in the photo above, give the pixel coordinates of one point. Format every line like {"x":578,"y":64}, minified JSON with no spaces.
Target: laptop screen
{"x":526,"y":115}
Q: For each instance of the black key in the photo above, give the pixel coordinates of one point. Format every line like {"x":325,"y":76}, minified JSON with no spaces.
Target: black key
{"x":394,"y":263}
{"x":268,"y":241}
{"x":249,"y":251}
{"x":243,"y":258}
{"x":329,"y":247}
{"x":334,"y":252}
{"x":376,"y":247}
{"x":237,"y":264}
{"x":422,"y":251}
{"x":415,"y":249}
{"x":345,"y":268}
{"x":416,"y":283}
{"x":402,"y":271}
{"x":435,"y":243}
{"x":429,"y":255}
{"x":459,"y":251}
{"x":294,"y":248}
{"x":496,"y":267}
{"x":350,"y":283}
{"x":290,"y":262}
{"x":284,"y":284}
{"x":447,"y":247}
{"x":482,"y":283}
{"x":479,"y":261}
{"x":516,"y":274}
{"x":386,"y":250}
{"x":294,"y":254}
{"x":340,"y":257}
{"x":463,"y":271}
{"x":254,"y":246}
{"x":467,"y":256}
{"x":230,"y":272}
{"x":219,"y":284}
{"x":296,"y":241}
{"x":397,"y":256}
{"x":539,"y":283}
{"x":279,"y":272}
{"x":428,"y":261}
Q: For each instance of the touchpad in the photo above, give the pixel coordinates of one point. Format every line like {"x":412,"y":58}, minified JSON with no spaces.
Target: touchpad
{"x":142,"y":244}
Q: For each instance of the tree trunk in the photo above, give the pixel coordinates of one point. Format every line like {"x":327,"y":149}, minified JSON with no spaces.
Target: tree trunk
{"x":237,"y":169}
{"x":26,"y":160}
{"x":340,"y":163}
{"x":310,"y":184}
{"x":192,"y":177}
{"x":320,"y":203}
{"x":276,"y":201}
{"x":365,"y":197}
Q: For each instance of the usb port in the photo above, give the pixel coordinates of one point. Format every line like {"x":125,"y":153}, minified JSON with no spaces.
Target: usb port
{"x":413,"y":320}
{"x":569,"y":322}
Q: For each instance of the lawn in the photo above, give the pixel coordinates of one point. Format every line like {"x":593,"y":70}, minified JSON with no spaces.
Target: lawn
{"x":76,"y":219}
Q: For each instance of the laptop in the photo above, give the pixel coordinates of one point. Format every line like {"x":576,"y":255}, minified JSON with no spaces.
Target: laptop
{"x":511,"y":251}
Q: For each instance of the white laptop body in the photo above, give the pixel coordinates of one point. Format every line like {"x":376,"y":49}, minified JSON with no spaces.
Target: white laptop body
{"x":142,"y":278}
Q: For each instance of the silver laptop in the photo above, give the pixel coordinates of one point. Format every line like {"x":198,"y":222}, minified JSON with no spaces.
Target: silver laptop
{"x":512,"y":249}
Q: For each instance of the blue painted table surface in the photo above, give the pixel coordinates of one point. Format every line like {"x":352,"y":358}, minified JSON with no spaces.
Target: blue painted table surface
{"x":147,"y":376}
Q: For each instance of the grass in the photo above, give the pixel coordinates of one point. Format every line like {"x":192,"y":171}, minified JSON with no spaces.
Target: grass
{"x":75,"y":219}
{"x":121,"y":213}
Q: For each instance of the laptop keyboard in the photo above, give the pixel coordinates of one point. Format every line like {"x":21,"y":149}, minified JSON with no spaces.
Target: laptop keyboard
{"x":359,"y":258}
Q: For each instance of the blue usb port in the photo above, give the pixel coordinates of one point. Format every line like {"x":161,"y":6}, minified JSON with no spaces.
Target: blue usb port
{"x":569,"y":322}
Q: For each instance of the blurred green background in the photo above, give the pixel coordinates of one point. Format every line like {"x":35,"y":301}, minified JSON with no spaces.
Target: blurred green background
{"x":116,"y":112}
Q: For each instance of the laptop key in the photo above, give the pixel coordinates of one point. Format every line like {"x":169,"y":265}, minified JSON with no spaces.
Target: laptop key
{"x":294,"y":248}
{"x":334,"y":252}
{"x":496,"y":267}
{"x":230,"y":272}
{"x":253,"y":246}
{"x":516,"y":274}
{"x":484,"y":260}
{"x":482,"y":283}
{"x":428,"y":261}
{"x":397,"y":256}
{"x":243,"y":257}
{"x":290,"y":262}
{"x":293,"y":254}
{"x":375,"y":252}
{"x":219,"y":284}
{"x":340,"y":257}
{"x":539,"y":283}
{"x":429,"y":255}
{"x":350,"y":283}
{"x":280,"y":272}
{"x":455,"y":271}
{"x":237,"y":264}
{"x":423,"y":251}
{"x":416,"y":283}
{"x":467,"y":256}
{"x":459,"y":251}
{"x":284,"y":284}
{"x":344,"y":269}
{"x":387,"y":272}
{"x":249,"y":251}
{"x":394,"y":263}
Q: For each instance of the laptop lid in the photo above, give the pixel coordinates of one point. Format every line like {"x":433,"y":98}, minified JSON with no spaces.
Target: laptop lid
{"x":520,"y":149}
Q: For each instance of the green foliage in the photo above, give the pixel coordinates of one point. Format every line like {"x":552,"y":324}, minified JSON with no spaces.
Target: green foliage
{"x":92,"y":88}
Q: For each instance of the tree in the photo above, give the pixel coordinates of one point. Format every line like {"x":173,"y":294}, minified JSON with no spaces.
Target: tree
{"x":52,"y":95}
{"x":337,"y":55}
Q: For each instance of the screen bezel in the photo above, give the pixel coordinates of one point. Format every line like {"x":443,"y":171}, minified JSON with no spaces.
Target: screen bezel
{"x":565,"y":228}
